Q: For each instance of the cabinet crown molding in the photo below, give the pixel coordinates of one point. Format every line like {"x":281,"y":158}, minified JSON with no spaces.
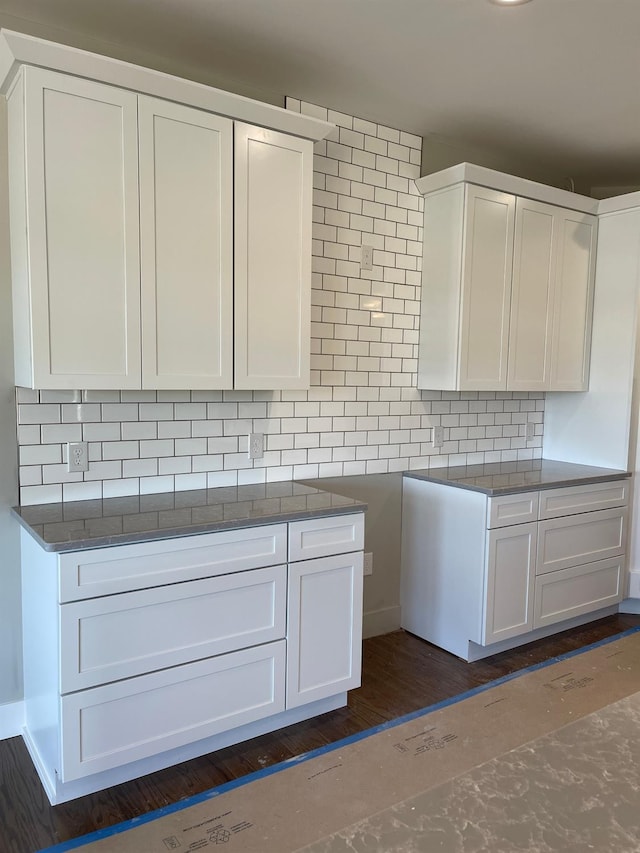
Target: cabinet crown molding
{"x":18,"y":49}
{"x":472,"y":174}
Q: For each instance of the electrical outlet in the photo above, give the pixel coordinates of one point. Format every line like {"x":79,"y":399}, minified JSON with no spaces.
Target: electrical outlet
{"x":256,"y":445}
{"x":368,"y":563}
{"x":77,"y":457}
{"x":530,"y":430}
{"x":437,"y":436}
{"x":366,"y":259}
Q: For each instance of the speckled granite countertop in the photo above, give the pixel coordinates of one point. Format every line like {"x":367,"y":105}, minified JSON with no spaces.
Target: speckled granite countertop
{"x":503,"y":478}
{"x":77,"y":525}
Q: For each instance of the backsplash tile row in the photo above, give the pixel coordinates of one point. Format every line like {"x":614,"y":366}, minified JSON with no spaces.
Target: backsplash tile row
{"x":362,"y":415}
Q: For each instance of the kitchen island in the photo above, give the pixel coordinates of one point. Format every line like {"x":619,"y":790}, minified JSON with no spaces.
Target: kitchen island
{"x":497,"y":555}
{"x":158,"y":628}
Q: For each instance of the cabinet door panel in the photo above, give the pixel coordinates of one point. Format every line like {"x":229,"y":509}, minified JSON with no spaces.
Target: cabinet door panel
{"x":573,"y":305}
{"x":504,"y":510}
{"x":322,"y":537}
{"x":511,"y":562}
{"x":577,"y":590}
{"x":584,"y":538}
{"x":119,"y":636}
{"x":128,"y":720}
{"x":486,"y":290}
{"x":186,"y":175}
{"x":82,"y":222}
{"x":571,"y":500}
{"x":531,"y":297}
{"x":273,"y":182}
{"x":105,"y":571}
{"x":324,"y":636}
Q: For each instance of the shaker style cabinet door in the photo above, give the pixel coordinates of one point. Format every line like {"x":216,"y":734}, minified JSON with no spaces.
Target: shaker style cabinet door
{"x":532,"y":297}
{"x":573,"y":304}
{"x":510,"y":583}
{"x":75,"y":237}
{"x":466,"y":289}
{"x":186,"y":234}
{"x":324,"y":630}
{"x":552,"y":298}
{"x":486,"y":289}
{"x":273,"y":186}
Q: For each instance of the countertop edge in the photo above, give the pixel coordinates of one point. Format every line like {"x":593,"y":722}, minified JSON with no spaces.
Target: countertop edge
{"x":514,"y":490}
{"x":155,"y":535}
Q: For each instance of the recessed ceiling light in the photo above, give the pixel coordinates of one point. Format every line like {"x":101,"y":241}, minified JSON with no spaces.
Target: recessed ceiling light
{"x":509,"y":2}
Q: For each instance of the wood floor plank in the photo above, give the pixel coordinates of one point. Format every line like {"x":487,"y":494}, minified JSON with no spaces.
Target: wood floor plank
{"x":401,"y":674}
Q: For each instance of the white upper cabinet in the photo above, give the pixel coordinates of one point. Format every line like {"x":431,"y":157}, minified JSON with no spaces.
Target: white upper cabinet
{"x":138,"y":244}
{"x":186,"y":245}
{"x":73,"y":164}
{"x":273,"y":181}
{"x":507,"y":286}
{"x":552,"y":298}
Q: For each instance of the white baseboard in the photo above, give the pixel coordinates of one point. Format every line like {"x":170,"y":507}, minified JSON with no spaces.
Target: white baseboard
{"x":630,"y":605}
{"x":11,"y":719}
{"x":383,"y":621}
{"x":634,"y":585}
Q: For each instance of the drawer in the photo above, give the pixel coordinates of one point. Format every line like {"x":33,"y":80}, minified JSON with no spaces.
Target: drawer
{"x":512,"y":509}
{"x":575,"y":499}
{"x":104,"y":571}
{"x":119,"y":636}
{"x":322,"y":537}
{"x":580,"y":589}
{"x":572,"y":540}
{"x":118,"y":723}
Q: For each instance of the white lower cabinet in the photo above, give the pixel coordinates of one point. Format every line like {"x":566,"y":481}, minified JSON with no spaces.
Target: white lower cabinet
{"x":139,"y":656}
{"x":480,"y":574}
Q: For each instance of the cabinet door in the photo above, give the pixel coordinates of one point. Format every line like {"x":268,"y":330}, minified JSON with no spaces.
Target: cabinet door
{"x":532,"y":297}
{"x":79,"y":325}
{"x":273,"y":186}
{"x":486,"y":289}
{"x":511,"y":559}
{"x":573,"y":301}
{"x":324,"y":638}
{"x":118,"y":636}
{"x":186,"y":213}
{"x":583,"y":538}
{"x":579,"y":589}
{"x":135,"y":718}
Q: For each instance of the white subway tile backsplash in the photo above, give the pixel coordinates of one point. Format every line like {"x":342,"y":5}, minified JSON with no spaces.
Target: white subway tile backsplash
{"x":56,"y":434}
{"x":362,"y":413}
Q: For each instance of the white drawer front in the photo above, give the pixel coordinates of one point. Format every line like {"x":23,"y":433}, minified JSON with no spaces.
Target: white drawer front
{"x":512,"y":509}
{"x":575,"y":499}
{"x":572,"y":540}
{"x":580,"y":589}
{"x":119,"y":636}
{"x":103,"y":571}
{"x":322,"y":537}
{"x":112,"y":725}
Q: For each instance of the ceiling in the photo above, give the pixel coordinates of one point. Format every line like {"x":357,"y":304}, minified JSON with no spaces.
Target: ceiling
{"x":551,"y":86}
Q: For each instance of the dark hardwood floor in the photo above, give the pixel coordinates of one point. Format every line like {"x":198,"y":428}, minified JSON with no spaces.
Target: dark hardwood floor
{"x":401,"y":674}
